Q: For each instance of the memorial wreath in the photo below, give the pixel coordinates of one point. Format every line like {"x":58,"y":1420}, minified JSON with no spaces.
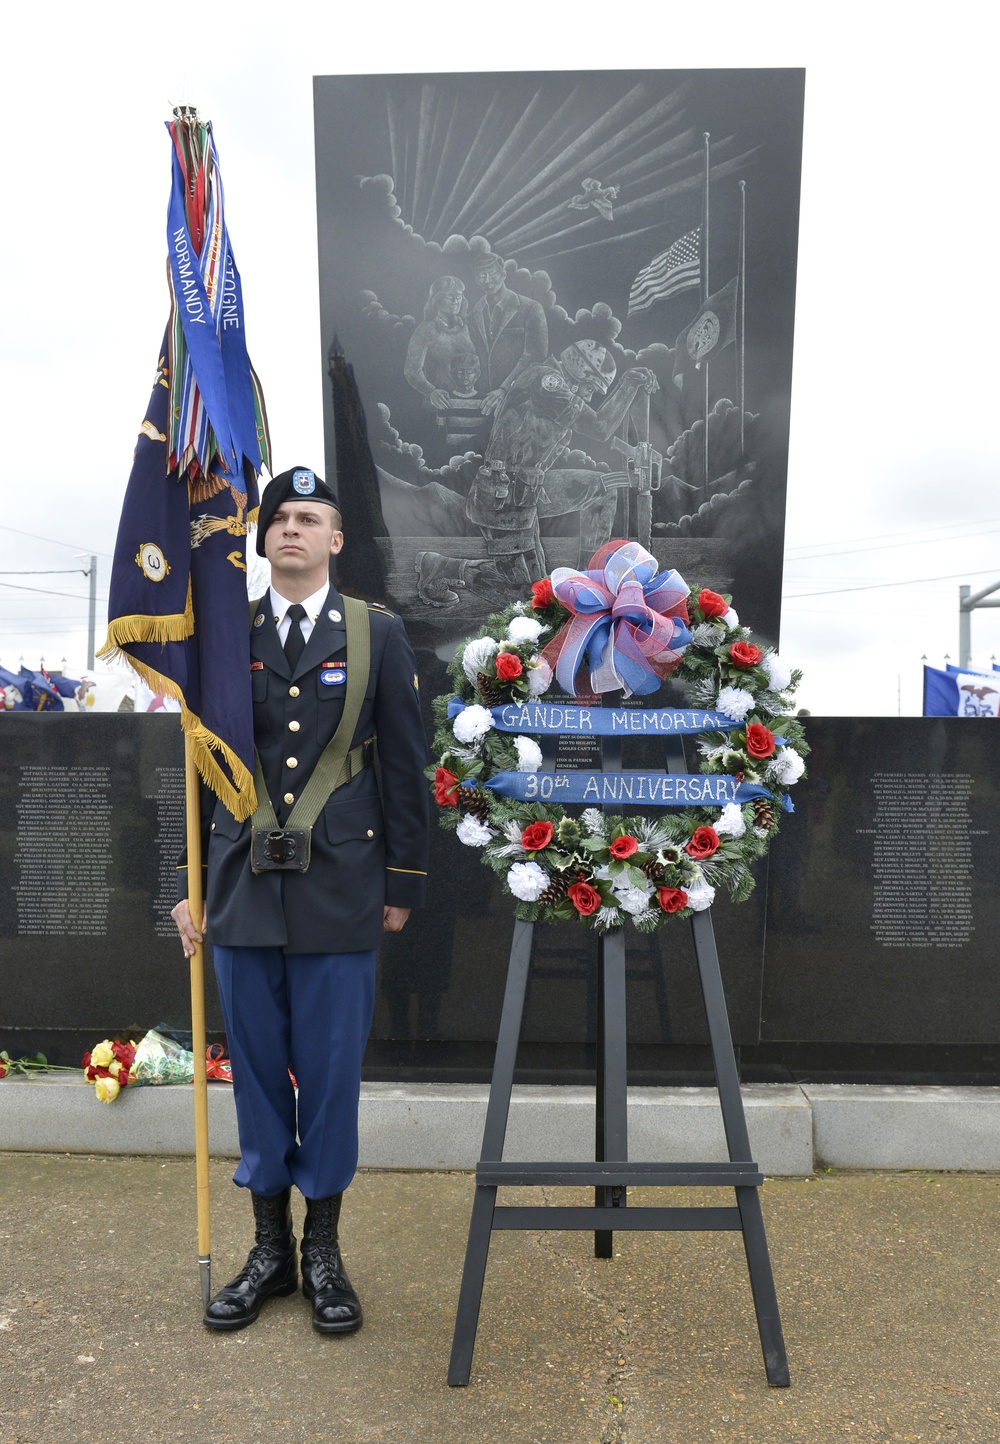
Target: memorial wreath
{"x":634,"y":626}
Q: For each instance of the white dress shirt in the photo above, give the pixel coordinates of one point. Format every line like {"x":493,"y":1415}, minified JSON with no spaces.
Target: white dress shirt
{"x":313,"y":606}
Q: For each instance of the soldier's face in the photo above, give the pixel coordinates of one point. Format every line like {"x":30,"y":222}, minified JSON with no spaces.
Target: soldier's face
{"x":303,"y":535}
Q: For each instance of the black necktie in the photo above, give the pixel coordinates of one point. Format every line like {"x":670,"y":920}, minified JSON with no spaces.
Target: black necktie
{"x":295,"y":642}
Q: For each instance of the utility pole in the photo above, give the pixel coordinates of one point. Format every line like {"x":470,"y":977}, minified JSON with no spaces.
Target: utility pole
{"x":92,"y":620}
{"x":967,"y":602}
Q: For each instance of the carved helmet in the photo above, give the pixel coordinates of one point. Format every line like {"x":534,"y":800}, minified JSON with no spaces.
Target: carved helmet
{"x":589,"y":361}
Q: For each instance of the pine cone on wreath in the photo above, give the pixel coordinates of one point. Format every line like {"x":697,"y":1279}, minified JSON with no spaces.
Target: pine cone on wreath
{"x":488,"y":690}
{"x":653,"y":870}
{"x":471,"y":799}
{"x":557,"y":889}
{"x":763,"y":814}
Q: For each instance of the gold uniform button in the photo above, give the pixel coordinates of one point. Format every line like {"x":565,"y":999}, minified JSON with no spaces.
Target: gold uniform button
{"x":294,"y":726}
{"x":370,"y":833}
{"x":289,"y":796}
{"x":293,"y":691}
{"x":213,"y":826}
{"x":291,"y":762}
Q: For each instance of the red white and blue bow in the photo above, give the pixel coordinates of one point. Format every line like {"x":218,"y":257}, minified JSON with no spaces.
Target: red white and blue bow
{"x":628,"y":624}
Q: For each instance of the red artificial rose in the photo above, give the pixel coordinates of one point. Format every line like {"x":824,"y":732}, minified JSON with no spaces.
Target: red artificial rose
{"x":585,"y":899}
{"x":3,"y":1069}
{"x":542,"y":594}
{"x":536,"y":836}
{"x":672,"y":899}
{"x":760,"y":741}
{"x":744,"y":654}
{"x":712,"y":604}
{"x":123,"y":1077}
{"x":445,"y":784}
{"x":624,"y":846}
{"x":704,"y":841}
{"x":508,"y":666}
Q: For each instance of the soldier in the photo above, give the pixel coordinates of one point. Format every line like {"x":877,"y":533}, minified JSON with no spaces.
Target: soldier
{"x":294,"y":946}
{"x":546,"y":404}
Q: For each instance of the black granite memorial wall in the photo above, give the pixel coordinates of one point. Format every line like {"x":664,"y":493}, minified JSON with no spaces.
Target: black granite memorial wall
{"x":867,"y":953}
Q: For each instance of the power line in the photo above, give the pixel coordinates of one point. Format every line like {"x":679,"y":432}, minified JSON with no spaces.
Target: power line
{"x":44,"y":591}
{"x":916,"y":531}
{"x":74,"y":546}
{"x":892,"y":546}
{"x":876,"y":586}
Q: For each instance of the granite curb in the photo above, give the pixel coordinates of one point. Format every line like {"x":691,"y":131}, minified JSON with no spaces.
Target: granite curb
{"x":794,"y":1129}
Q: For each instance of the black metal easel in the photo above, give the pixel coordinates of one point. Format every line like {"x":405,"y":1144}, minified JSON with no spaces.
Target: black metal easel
{"x":612,"y":1172}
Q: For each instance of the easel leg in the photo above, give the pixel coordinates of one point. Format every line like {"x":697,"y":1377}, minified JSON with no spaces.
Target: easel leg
{"x":612,"y":1077}
{"x":497,"y":1110}
{"x":473,"y":1275}
{"x":738,"y":1140}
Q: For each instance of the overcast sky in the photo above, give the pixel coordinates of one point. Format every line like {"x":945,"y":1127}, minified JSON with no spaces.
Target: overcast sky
{"x":893,"y":497}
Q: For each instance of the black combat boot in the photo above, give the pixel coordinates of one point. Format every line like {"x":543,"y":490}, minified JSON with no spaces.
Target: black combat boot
{"x":269,"y":1270}
{"x":336,"y":1309}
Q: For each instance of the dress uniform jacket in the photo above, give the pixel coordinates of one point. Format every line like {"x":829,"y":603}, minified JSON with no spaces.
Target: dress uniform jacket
{"x":369,"y":844}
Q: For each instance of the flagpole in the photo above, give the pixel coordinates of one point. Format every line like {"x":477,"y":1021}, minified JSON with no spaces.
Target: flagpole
{"x":740,"y":321}
{"x":704,"y":284}
{"x":196,"y":905}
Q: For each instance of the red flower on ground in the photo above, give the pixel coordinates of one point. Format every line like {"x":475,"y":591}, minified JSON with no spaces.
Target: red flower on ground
{"x":704,"y":841}
{"x":542,"y":594}
{"x":585,"y":899}
{"x":760,"y":741}
{"x":712,"y":604}
{"x":672,"y":899}
{"x":536,"y":836}
{"x":744,"y":654}
{"x":445,"y":785}
{"x":3,"y":1069}
{"x":509,"y":666}
{"x":624,"y":846}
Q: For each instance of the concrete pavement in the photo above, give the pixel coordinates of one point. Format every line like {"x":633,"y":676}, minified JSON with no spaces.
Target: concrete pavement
{"x":888,"y":1285}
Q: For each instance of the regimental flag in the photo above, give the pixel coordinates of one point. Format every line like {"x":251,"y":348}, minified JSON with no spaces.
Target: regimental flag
{"x":673,"y":270}
{"x":11,"y":693}
{"x":178,"y":604}
{"x":960,"y":694}
{"x":711,"y":331}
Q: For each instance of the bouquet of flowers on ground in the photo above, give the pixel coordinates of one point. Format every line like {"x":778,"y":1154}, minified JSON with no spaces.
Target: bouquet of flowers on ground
{"x":109,"y":1068}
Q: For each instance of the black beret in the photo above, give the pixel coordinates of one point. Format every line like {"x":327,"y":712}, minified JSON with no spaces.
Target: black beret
{"x":302,"y":482}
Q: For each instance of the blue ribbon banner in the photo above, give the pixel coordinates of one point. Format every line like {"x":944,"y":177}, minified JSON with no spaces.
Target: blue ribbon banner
{"x":542,"y":717}
{"x":648,"y":789}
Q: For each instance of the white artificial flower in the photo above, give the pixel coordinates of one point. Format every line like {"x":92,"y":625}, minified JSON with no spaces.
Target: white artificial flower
{"x":527,"y":881}
{"x":529,"y":754}
{"x":730,"y":618}
{"x":478,"y":654}
{"x":472,"y":723}
{"x":735,"y":702}
{"x":525,"y":629}
{"x":730,"y":821}
{"x":539,"y":678}
{"x":700,"y":896}
{"x":603,"y":872}
{"x":473,"y":832}
{"x":786,"y":766}
{"x":633,"y":900}
{"x":707,"y":634}
{"x":778,"y":673}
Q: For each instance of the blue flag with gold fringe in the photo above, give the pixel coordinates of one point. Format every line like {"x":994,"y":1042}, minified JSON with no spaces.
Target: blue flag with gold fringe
{"x":178,"y":595}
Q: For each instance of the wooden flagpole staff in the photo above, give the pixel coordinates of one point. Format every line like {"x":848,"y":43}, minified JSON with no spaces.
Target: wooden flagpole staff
{"x":196,"y":904}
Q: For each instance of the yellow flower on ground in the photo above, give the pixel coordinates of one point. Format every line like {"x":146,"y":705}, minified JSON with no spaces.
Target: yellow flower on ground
{"x":115,"y":1068}
{"x":107,"y":1089}
{"x":102,"y":1055}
